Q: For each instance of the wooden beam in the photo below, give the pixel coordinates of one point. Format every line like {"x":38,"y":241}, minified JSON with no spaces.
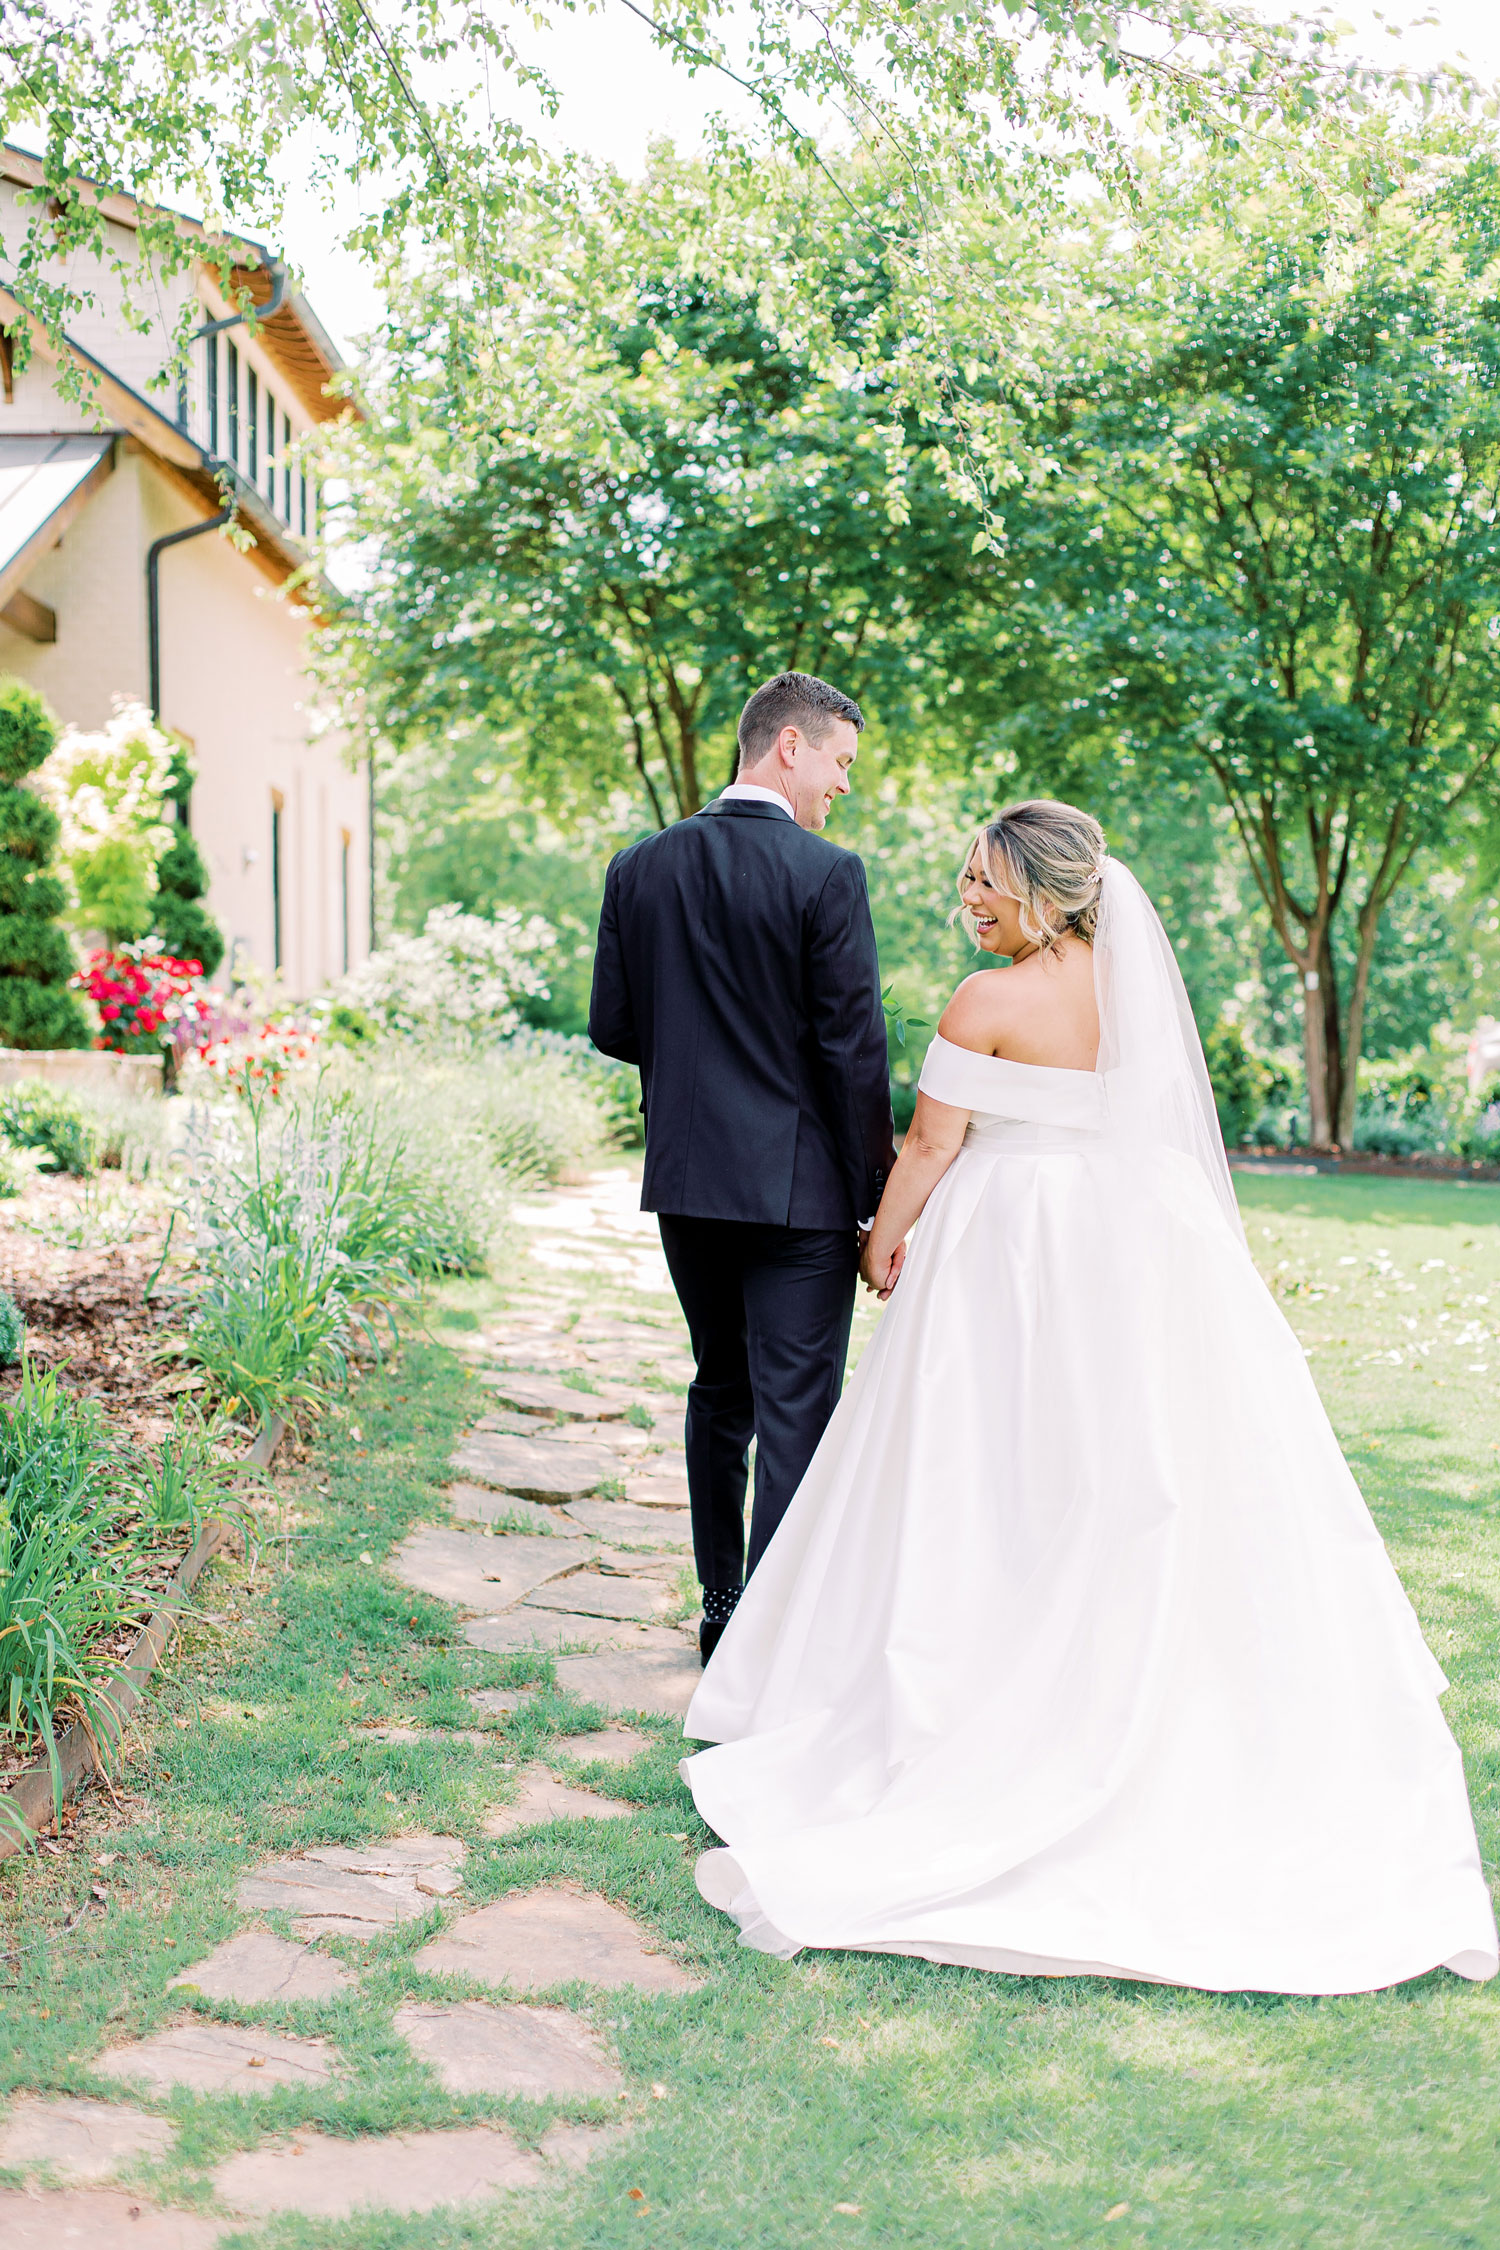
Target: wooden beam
{"x":45,"y":538}
{"x":24,"y":614}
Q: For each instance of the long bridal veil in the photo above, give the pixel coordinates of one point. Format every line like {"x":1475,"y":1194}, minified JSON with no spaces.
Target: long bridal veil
{"x":1150,"y":1056}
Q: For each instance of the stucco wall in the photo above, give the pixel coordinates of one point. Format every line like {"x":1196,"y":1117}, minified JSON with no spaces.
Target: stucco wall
{"x":232,"y":652}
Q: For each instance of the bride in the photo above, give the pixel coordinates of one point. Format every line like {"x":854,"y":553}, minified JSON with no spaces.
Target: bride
{"x":1077,"y":1651}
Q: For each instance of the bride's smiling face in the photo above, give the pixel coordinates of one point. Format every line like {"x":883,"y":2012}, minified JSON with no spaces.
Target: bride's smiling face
{"x":996,"y":915}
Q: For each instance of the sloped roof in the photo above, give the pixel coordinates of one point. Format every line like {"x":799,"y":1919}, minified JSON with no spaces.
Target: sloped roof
{"x":42,"y":481}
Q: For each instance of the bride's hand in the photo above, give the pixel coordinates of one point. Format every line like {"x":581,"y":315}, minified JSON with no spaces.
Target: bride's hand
{"x":881,"y":1277}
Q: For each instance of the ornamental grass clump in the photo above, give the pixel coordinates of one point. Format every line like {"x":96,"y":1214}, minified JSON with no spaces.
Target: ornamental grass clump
{"x":303,"y":1230}
{"x":74,"y":1569}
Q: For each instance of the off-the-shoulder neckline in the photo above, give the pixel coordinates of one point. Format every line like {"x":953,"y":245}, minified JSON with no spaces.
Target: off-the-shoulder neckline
{"x":1045,"y":1070}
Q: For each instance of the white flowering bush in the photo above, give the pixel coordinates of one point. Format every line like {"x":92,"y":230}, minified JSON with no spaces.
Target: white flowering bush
{"x":457,"y":983}
{"x":109,"y":790}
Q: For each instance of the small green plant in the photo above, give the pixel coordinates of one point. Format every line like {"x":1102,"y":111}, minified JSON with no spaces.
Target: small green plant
{"x":35,"y":1115}
{"x":12,"y":1330}
{"x":189,"y":1477}
{"x":640,"y":1417}
{"x":11,"y":1182}
{"x":576,"y":1381}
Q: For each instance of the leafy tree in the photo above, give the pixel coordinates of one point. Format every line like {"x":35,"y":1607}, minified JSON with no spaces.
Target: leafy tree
{"x":1262,"y":548}
{"x":673,"y":505}
{"x":37,"y":1010}
{"x":137,"y":97}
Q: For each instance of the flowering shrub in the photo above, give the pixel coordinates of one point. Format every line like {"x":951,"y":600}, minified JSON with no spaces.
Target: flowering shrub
{"x":455,"y":984}
{"x":261,"y":1061}
{"x":146,"y":1001}
{"x":109,"y":791}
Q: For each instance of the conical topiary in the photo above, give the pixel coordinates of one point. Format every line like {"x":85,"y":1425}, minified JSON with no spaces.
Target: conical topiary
{"x":185,"y":926}
{"x":36,"y":961}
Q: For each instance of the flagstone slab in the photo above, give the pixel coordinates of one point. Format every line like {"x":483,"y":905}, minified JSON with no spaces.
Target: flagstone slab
{"x":356,"y":1892}
{"x":537,"y":1468}
{"x":327,"y":2178}
{"x":627,"y":1519}
{"x":589,"y":1593}
{"x":78,"y":2138}
{"x":626,"y":1562}
{"x":498,"y":1700}
{"x":477,"y":1570}
{"x":99,"y":2219}
{"x":612,"y":1746}
{"x":479,"y":2047}
{"x":528,"y":1628}
{"x":657,"y":1491}
{"x":478,"y":1503}
{"x":553,"y":1936}
{"x":608,"y":1437}
{"x":256,"y":1966}
{"x":218,"y":2058}
{"x":510,"y":1423}
{"x":658,"y":1679}
{"x":543,"y":1394}
{"x":542,"y":1798}
{"x":471,"y":1735}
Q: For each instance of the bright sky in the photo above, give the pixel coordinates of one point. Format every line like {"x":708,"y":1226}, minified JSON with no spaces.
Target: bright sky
{"x":619,"y":92}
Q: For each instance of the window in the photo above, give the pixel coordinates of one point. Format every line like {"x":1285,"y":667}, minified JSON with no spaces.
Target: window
{"x":302,"y":489}
{"x":211,"y":371}
{"x":182,"y":398}
{"x":233,"y":386}
{"x":346,"y":841}
{"x":286,"y":466}
{"x":270,"y":449}
{"x":277,"y":814}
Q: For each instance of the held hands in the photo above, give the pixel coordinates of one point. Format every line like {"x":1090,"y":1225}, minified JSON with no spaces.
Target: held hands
{"x":878,"y":1270}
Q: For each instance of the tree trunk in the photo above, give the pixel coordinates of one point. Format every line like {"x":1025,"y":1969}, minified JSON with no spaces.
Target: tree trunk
{"x":1333,"y":1043}
{"x":1314,"y":1054}
{"x":1369,"y":931}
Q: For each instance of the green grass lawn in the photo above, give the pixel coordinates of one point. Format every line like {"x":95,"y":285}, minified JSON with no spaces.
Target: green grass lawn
{"x":946,"y":2107}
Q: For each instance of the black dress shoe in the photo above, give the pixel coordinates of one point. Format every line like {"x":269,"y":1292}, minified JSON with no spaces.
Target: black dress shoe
{"x":709,"y":1637}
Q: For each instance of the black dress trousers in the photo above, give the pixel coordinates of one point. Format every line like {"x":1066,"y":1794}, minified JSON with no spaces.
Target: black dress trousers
{"x":768,"y":1311}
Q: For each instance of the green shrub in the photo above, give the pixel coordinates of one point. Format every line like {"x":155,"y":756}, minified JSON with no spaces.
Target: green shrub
{"x":12,"y":1330}
{"x":37,"y":1010}
{"x":35,"y":1115}
{"x":1239,"y":1081}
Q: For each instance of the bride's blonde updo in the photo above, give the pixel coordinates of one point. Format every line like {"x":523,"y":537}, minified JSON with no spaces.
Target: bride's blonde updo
{"x":1049,"y":858}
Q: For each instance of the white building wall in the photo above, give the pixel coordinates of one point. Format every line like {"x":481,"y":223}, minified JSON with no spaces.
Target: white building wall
{"x":232,"y":655}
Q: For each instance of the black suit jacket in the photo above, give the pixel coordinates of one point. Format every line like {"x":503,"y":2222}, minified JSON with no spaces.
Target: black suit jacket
{"x":736,"y":965}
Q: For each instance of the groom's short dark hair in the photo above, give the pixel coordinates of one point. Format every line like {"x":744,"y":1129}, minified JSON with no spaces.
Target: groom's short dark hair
{"x":792,"y":699}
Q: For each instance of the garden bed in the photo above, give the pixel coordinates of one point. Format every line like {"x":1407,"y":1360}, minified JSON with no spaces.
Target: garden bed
{"x":1427,"y":1165}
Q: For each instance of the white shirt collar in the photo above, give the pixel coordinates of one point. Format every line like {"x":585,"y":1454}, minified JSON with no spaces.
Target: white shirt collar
{"x":751,"y":792}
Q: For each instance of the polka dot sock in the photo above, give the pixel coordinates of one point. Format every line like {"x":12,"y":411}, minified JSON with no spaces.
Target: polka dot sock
{"x":718,"y":1603}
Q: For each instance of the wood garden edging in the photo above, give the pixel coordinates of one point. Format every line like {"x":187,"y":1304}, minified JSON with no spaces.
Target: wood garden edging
{"x":30,"y":1794}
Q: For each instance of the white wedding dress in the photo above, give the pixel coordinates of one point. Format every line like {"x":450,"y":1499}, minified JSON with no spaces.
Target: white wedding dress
{"x":1077,"y":1651}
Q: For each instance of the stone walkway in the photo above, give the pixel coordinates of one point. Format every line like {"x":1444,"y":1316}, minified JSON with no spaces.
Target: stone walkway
{"x":566,"y":1531}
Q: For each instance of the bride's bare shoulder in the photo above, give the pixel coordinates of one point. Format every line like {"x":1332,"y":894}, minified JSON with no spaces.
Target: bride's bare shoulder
{"x":981,"y":1012}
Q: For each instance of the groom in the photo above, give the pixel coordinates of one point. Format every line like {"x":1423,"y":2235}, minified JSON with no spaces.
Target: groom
{"x":736,"y":965}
